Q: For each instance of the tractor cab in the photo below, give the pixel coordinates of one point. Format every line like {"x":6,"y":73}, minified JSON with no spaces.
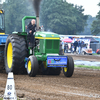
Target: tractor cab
{"x":2,"y":29}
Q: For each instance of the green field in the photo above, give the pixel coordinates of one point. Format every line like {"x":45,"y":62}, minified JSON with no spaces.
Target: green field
{"x":95,"y":54}
{"x":90,"y":67}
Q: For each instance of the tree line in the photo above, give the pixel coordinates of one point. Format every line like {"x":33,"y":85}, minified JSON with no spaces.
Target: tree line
{"x":55,"y":15}
{"x":62,"y":17}
{"x":95,"y":29}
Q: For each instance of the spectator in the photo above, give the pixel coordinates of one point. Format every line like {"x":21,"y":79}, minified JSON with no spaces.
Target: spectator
{"x":75,"y":45}
{"x":79,"y":47}
{"x":67,"y":48}
{"x":64,"y":48}
{"x":72,"y":48}
{"x":42,"y":28}
{"x":82,"y":44}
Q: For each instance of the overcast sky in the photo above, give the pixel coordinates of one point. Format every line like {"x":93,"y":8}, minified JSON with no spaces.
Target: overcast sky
{"x":90,"y":6}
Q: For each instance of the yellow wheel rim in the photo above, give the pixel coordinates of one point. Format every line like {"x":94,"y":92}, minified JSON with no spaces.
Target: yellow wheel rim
{"x":9,"y":55}
{"x":29,"y":66}
{"x":44,"y":63}
{"x":65,"y":69}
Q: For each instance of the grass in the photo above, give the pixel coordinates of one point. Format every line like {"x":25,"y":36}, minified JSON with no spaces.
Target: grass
{"x":95,"y":54}
{"x":1,"y":99}
{"x":90,"y":67}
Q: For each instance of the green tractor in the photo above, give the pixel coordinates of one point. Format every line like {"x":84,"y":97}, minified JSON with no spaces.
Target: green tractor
{"x":45,"y":57}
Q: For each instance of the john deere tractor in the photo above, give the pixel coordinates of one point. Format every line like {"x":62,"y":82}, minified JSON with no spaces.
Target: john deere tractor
{"x":45,"y":57}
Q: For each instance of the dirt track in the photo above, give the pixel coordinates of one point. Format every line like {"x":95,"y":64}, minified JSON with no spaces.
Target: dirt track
{"x":83,"y":85}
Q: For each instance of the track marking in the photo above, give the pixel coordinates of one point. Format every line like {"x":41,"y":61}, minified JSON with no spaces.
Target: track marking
{"x":85,"y":95}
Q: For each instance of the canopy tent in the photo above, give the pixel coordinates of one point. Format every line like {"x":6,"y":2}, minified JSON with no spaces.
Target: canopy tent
{"x":68,"y":40}
{"x":98,"y":39}
{"x":92,"y":40}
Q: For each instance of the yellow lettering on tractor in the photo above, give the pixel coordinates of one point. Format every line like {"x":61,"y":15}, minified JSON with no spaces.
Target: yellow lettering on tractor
{"x":52,"y":35}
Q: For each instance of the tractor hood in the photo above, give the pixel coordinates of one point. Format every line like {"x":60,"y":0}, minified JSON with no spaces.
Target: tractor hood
{"x":46,"y":35}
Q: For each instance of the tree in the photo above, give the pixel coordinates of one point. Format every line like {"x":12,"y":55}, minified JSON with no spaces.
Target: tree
{"x":87,"y":29}
{"x":96,"y":24}
{"x":15,"y":10}
{"x":62,"y":17}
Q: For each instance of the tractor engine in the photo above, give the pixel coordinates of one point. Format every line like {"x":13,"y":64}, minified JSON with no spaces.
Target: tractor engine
{"x":48,"y":42}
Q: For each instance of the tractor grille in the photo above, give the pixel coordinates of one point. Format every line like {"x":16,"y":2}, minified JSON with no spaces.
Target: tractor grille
{"x":52,"y":46}
{"x":48,"y":44}
{"x":55,"y":44}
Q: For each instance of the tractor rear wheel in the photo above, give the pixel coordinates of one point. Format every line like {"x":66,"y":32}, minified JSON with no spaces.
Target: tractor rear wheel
{"x":69,"y":69}
{"x":32,"y":66}
{"x":14,"y":54}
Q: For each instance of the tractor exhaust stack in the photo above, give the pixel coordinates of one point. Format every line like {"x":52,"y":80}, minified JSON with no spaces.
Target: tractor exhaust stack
{"x":36,"y":4}
{"x":37,"y":23}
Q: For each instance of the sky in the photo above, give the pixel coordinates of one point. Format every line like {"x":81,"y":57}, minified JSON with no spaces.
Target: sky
{"x":90,"y":6}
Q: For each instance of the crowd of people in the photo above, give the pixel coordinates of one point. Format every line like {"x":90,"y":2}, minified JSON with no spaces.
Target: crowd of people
{"x":76,"y":46}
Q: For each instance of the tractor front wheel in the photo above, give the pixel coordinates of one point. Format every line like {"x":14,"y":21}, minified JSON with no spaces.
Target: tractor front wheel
{"x":69,"y":69}
{"x":32,"y":66}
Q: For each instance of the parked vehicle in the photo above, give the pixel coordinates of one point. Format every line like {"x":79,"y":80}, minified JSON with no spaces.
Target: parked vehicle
{"x":86,"y":50}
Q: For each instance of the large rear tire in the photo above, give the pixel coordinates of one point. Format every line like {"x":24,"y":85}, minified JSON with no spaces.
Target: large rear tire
{"x":15,"y":53}
{"x":69,"y":69}
{"x":32,"y":66}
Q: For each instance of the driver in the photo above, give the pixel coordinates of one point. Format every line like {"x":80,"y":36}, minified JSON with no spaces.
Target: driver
{"x":31,"y":28}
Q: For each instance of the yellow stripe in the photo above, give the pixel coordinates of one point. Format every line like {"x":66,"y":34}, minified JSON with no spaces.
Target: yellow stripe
{"x":53,"y":38}
{"x":2,"y":33}
{"x":47,"y":38}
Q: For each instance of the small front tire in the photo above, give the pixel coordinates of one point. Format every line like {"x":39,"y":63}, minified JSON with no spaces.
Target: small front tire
{"x":32,"y":66}
{"x":69,"y":69}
